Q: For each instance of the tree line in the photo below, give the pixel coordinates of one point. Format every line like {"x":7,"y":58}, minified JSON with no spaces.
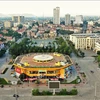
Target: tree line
{"x":28,"y":46}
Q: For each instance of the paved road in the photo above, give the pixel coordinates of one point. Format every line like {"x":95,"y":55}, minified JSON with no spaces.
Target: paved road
{"x":7,"y":75}
{"x":87,"y":64}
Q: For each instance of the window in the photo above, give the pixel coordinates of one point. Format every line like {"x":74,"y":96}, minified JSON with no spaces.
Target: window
{"x":50,"y":72}
{"x":33,"y":72}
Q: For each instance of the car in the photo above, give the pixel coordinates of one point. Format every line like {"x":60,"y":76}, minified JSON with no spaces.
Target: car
{"x":91,"y":71}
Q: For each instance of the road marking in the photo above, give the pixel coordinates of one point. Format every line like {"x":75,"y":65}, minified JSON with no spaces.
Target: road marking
{"x":7,"y":88}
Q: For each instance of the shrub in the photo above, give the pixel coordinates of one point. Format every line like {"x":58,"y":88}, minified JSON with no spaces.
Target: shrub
{"x":76,"y":80}
{"x":63,"y":92}
{"x":37,"y":81}
{"x":3,"y":81}
{"x":73,"y":92}
{"x":35,"y":92}
{"x":46,"y":93}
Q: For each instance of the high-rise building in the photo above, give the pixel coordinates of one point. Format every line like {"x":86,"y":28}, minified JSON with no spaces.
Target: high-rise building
{"x":8,"y":24}
{"x":18,"y":19}
{"x":78,"y":19}
{"x":56,"y":15}
{"x":85,"y":24}
{"x":67,"y":19}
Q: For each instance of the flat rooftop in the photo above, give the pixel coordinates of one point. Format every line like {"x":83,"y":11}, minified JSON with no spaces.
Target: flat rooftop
{"x":29,"y":58}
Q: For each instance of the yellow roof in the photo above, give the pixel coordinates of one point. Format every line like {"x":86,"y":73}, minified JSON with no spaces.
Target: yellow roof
{"x":26,"y":64}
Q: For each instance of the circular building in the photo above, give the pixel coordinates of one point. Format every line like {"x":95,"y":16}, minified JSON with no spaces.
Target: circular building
{"x":46,"y":65}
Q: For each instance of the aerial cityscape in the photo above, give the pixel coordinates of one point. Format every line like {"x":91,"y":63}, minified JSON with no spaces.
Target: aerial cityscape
{"x":49,"y":50}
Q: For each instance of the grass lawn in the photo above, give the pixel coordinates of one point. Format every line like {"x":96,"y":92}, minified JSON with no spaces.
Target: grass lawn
{"x":3,"y":81}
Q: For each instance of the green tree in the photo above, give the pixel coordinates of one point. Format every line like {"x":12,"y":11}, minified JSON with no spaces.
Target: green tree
{"x":98,"y":52}
{"x":98,"y":58}
{"x":74,"y":92}
{"x":2,"y":52}
{"x":35,"y":92}
{"x":20,"y":26}
{"x":63,"y":92}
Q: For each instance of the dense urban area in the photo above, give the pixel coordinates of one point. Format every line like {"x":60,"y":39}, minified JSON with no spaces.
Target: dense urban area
{"x":50,"y":57}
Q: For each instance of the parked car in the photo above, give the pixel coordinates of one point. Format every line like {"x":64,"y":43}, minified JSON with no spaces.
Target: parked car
{"x":91,"y":71}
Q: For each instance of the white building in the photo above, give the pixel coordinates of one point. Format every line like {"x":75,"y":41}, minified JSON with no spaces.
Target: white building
{"x":78,"y":19}
{"x":8,"y":24}
{"x":56,"y":15}
{"x":90,"y":23}
{"x":18,"y":19}
{"x":97,"y":45}
{"x":67,"y":19}
{"x":84,"y":41}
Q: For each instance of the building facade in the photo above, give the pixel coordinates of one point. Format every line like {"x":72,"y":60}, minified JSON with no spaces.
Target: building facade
{"x":97,"y":46}
{"x":18,"y":19}
{"x":84,"y":41}
{"x":8,"y":24}
{"x":78,"y":19}
{"x":56,"y":15}
{"x":67,"y":19}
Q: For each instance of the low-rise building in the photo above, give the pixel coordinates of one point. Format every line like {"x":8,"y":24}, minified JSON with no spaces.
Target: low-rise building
{"x":84,"y":41}
{"x":97,"y":45}
{"x":5,"y":31}
{"x":8,"y":38}
{"x":14,"y":28}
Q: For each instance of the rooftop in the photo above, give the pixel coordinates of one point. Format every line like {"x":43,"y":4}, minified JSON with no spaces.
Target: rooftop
{"x":53,"y":60}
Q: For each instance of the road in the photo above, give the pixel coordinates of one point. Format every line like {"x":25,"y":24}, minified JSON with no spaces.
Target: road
{"x":87,"y":64}
{"x":5,"y":58}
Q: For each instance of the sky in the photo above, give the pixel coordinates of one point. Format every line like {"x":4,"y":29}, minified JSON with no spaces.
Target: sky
{"x":45,"y":8}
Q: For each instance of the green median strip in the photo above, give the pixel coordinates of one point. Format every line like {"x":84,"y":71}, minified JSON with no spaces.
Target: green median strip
{"x":4,"y":71}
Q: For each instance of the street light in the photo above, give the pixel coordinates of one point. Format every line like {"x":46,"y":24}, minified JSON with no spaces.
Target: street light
{"x":16,"y":95}
{"x":95,"y":91}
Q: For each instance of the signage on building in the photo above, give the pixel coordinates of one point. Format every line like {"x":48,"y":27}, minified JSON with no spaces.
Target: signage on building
{"x":18,"y":70}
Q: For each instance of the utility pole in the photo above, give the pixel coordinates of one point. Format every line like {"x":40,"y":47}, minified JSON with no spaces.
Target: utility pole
{"x":16,"y":95}
{"x":95,"y":91}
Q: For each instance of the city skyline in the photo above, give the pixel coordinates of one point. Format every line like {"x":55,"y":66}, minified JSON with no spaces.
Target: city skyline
{"x":45,"y":8}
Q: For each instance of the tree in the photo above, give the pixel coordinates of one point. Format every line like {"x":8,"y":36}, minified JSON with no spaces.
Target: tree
{"x":22,"y":76}
{"x":35,"y":92}
{"x":2,"y":52}
{"x":98,"y":52}
{"x":63,"y":92}
{"x":64,"y":32}
{"x":74,"y":92}
{"x":20,"y":26}
{"x":30,"y":27}
{"x":37,"y":23}
{"x":16,"y":35}
{"x":98,"y":58}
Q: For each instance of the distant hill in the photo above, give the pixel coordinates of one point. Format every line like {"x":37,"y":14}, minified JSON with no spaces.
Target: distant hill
{"x":10,"y":15}
{"x":26,"y":15}
{"x":4,"y":15}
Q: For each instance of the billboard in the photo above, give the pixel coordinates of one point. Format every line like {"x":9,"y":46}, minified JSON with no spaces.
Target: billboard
{"x":54,"y":84}
{"x":18,"y":70}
